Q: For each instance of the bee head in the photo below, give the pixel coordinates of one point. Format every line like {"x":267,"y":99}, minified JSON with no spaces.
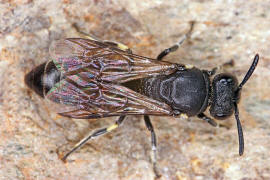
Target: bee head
{"x":224,"y":87}
{"x":226,"y":95}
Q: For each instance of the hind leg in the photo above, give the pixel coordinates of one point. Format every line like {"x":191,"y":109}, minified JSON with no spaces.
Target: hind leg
{"x":109,"y":43}
{"x":94,"y":135}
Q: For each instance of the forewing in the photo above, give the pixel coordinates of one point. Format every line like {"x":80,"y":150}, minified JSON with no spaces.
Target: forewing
{"x":94,"y":99}
{"x":100,"y":61}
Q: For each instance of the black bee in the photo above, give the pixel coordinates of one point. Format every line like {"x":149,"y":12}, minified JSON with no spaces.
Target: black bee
{"x":96,"y":79}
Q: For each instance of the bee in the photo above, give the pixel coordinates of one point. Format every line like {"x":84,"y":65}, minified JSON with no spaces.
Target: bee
{"x":97,"y":79}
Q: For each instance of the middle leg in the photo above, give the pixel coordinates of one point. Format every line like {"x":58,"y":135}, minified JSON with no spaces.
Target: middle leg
{"x":173,"y":48}
{"x":153,"y":143}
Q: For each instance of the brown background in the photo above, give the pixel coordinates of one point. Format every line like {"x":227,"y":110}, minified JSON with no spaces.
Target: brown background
{"x":31,"y":132}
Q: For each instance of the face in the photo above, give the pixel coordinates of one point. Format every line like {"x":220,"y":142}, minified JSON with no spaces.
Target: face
{"x":224,"y":94}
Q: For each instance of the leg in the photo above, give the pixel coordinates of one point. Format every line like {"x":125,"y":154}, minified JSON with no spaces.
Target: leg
{"x":225,"y":65}
{"x":176,"y":46}
{"x":118,"y":45}
{"x":95,"y":134}
{"x":153,"y":143}
{"x":83,"y":34}
{"x":109,"y":43}
{"x":207,"y":119}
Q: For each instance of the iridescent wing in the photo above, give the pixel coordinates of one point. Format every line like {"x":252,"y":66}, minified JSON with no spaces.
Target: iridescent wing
{"x":104,"y":62}
{"x":92,"y":73}
{"x":101,"y":99}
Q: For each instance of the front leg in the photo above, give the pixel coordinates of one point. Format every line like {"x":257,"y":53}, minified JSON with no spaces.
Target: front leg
{"x":207,"y":119}
{"x":223,"y":66}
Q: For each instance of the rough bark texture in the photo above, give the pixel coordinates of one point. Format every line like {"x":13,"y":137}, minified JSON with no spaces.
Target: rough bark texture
{"x":31,"y":132}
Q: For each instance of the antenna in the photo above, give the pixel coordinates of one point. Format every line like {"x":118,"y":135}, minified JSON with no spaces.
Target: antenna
{"x":236,"y":112}
{"x":249,"y":73}
{"x":239,"y":129}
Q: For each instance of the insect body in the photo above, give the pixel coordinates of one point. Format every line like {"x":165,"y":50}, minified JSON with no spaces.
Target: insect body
{"x":96,"y":79}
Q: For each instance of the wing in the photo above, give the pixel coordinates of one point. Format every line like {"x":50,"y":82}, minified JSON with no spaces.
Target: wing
{"x":91,"y":75}
{"x":98,"y":60}
{"x":94,"y":99}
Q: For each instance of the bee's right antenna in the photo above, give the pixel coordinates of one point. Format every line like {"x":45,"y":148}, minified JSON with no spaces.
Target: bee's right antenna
{"x":240,"y":131}
{"x":236,"y":99}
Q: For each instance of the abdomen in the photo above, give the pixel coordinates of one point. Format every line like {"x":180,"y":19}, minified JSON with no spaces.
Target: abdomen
{"x":42,"y":78}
